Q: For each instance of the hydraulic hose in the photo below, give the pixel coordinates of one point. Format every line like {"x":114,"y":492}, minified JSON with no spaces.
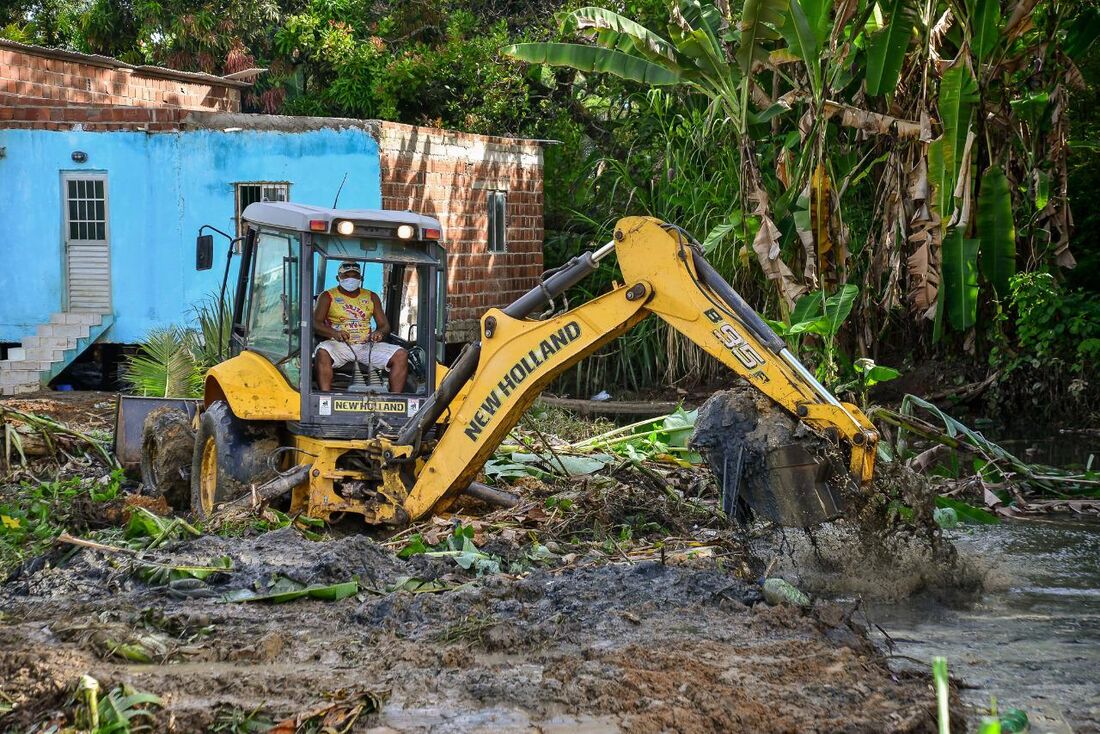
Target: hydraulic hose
{"x":713,"y":280}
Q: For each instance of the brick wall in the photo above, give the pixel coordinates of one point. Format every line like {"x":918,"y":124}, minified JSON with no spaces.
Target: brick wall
{"x":54,"y":90}
{"x":448,"y":175}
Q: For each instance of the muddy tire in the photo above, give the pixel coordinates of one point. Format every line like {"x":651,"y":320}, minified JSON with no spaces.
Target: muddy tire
{"x":230,"y":456}
{"x":167,"y":450}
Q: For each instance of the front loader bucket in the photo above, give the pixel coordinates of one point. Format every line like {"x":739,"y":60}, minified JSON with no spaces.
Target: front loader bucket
{"x":797,"y":490}
{"x":130,"y":420}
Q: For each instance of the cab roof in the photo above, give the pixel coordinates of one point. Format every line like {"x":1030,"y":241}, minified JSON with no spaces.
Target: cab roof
{"x":288,"y":215}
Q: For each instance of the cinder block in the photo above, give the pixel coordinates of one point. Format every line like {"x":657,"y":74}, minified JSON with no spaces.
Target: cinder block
{"x":18,"y":377}
{"x":76,"y":317}
{"x":49,"y":356}
{"x":17,"y":353}
{"x":73,"y":330}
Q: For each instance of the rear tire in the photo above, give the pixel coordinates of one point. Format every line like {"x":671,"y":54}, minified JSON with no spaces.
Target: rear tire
{"x":230,"y":456}
{"x":167,"y":450}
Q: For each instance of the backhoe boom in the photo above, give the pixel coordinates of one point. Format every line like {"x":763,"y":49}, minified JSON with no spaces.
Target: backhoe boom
{"x":495,"y":381}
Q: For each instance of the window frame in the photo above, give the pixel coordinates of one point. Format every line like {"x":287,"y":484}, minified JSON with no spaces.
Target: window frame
{"x":293,"y":328}
{"x":497,"y":239}
{"x":86,"y":176}
{"x":238,"y":210}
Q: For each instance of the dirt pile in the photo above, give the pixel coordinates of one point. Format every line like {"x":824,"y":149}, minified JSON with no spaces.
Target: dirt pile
{"x":632,"y":646}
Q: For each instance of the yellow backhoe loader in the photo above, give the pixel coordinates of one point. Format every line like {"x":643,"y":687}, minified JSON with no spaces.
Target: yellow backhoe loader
{"x":395,"y":456}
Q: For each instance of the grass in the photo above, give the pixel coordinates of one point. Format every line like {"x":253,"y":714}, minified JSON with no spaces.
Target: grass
{"x":472,"y":628}
{"x":239,"y":721}
{"x":564,"y":424}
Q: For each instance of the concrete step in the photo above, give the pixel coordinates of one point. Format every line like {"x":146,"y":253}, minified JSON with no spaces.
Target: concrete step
{"x":19,"y":389}
{"x":43,"y":354}
{"x":76,"y":331}
{"x":63,"y":343}
{"x":76,"y":317}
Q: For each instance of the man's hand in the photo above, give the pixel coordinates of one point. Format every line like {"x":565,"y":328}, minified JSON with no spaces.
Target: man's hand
{"x":376,"y":336}
{"x":343,"y":336}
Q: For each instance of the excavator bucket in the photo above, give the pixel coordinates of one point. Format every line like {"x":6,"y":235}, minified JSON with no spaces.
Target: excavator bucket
{"x":766,"y":464}
{"x":794,"y":489}
{"x":798,"y":491}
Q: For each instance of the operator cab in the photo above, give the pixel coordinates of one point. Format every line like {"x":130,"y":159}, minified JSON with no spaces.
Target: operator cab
{"x":290,"y":256}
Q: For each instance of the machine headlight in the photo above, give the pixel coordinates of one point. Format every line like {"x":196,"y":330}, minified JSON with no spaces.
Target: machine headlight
{"x":345,"y":227}
{"x":406,"y":231}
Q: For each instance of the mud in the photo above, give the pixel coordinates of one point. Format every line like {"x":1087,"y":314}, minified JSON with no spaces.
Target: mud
{"x":872,"y":551}
{"x":601,"y":647}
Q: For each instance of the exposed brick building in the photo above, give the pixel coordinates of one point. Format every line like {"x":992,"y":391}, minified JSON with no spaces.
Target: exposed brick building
{"x":50,"y":89}
{"x":143,"y":155}
{"x":455,"y":177}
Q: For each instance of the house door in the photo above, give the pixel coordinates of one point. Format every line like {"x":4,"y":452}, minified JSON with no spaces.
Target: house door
{"x":87,"y":243}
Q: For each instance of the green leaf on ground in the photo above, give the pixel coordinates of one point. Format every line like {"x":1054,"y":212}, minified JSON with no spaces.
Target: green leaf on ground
{"x":967,"y":513}
{"x":284,"y":589}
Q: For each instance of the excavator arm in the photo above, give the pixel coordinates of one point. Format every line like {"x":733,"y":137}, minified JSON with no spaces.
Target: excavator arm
{"x":494,"y":381}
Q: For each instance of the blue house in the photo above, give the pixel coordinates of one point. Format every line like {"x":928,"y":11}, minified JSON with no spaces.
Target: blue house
{"x":107,"y":171}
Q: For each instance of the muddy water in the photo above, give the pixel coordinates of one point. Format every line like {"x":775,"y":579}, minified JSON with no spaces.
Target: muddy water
{"x":1032,"y":639}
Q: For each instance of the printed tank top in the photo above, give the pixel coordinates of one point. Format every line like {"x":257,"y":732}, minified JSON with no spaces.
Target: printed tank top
{"x":351,"y":314}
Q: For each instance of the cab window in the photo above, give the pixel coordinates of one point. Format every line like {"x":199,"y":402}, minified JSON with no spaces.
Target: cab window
{"x":275,"y":308}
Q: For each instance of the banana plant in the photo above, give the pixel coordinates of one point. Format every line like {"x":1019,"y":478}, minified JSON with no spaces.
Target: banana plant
{"x":823,"y":316}
{"x":695,"y":56}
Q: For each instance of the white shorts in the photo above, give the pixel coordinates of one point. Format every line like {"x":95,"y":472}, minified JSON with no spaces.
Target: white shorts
{"x":375,"y":354}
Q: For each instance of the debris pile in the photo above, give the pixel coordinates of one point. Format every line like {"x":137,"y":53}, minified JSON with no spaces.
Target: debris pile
{"x":617,"y":593}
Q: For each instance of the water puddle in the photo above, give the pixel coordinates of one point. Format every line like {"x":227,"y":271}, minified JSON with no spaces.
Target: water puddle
{"x":1032,"y":639}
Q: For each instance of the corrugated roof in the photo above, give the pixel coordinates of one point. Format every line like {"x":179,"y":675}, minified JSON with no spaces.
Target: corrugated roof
{"x":107,"y":62}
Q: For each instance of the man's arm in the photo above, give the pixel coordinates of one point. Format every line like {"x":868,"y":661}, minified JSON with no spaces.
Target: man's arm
{"x":320,"y":311}
{"x":380,"y":320}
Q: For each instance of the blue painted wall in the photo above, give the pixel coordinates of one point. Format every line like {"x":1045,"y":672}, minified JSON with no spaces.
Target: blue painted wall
{"x":161,"y":188}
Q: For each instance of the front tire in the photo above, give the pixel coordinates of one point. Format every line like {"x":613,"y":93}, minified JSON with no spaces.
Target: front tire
{"x":231,"y":455}
{"x":167,"y":450}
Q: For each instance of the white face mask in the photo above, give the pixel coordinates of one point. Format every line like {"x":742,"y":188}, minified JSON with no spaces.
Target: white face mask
{"x":350,"y":284}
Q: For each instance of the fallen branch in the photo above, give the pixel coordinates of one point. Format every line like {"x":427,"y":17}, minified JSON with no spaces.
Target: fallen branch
{"x":136,"y":556}
{"x":964,"y":393}
{"x":46,"y":426}
{"x":269,"y":491}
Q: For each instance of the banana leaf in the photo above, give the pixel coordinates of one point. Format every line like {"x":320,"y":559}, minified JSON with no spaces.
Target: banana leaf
{"x":815,"y":314}
{"x":984,"y":21}
{"x":759,"y":19}
{"x":803,"y":40}
{"x":967,"y":513}
{"x":284,"y":590}
{"x":886,"y":48}
{"x":941,"y":178}
{"x":645,"y":41}
{"x":958,"y":95}
{"x":594,"y":59}
{"x":997,"y":231}
{"x":960,"y":280}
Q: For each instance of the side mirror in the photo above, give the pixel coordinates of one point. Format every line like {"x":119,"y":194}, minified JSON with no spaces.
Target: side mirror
{"x":204,"y":252}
